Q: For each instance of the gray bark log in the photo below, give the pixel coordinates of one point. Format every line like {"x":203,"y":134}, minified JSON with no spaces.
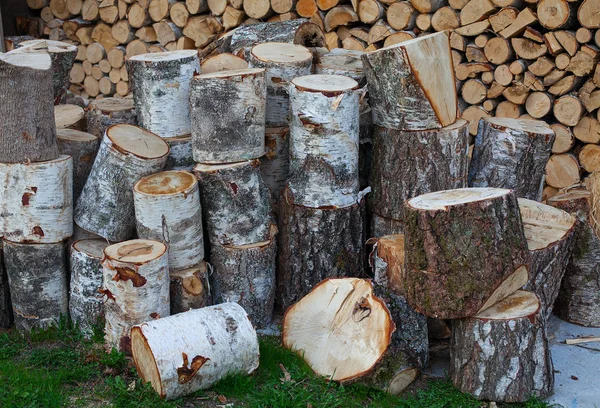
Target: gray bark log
{"x":103,"y":113}
{"x":83,"y":154}
{"x":381,"y":226}
{"x":275,"y":164}
{"x":189,"y":289}
{"x":180,"y":154}
{"x":344,"y":62}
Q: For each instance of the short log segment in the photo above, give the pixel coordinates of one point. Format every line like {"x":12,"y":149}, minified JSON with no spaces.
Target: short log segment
{"x":408,"y":164}
{"x":136,"y":286}
{"x":411,"y":84}
{"x":246,"y":275}
{"x":189,"y":289}
{"x":315,"y":244}
{"x":446,"y":275}
{"x":161,"y":90}
{"x":69,"y":116}
{"x":282,"y":62}
{"x":275,"y":164}
{"x":235,"y":203}
{"x":28,"y":131}
{"x":550,"y":236}
{"x":191,"y":351}
{"x":82,"y":147}
{"x":167,"y":209}
{"x":342,"y":62}
{"x":37,"y":277}
{"x":37,"y":201}
{"x":86,"y":306}
{"x":502,"y":353}
{"x":324,"y":132}
{"x":511,"y":153}
{"x":6,"y":315}
{"x":180,"y":153}
{"x":228,"y":116}
{"x":387,"y":262}
{"x":105,"y":206}
{"x":105,"y":112}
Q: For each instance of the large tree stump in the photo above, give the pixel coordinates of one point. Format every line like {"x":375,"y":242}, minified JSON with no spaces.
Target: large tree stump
{"x":105,"y":112}
{"x":342,"y":62}
{"x":315,"y":244}
{"x":381,"y":226}
{"x":82,"y":147}
{"x":37,"y":277}
{"x":167,"y":209}
{"x":189,"y":289}
{"x":511,"y":153}
{"x":275,"y":164}
{"x":126,"y":153}
{"x":161,"y":90}
{"x":228,"y":116}
{"x":408,"y":164}
{"x":136,"y":286}
{"x":387,"y":262}
{"x":235,"y":203}
{"x":191,"y":351}
{"x":411,"y":84}
{"x":324,"y":141}
{"x":502,"y":353}
{"x":86,"y":306}
{"x":550,"y":236}
{"x":448,"y":276}
{"x":6,"y":315}
{"x":180,"y":153}
{"x":28,"y":131}
{"x":246,"y":275}
{"x":37,"y":201}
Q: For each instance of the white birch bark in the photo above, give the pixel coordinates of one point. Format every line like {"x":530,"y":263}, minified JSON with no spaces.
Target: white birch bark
{"x":180,"y":154}
{"x":189,"y":289}
{"x":82,"y":147}
{"x":275,"y":164}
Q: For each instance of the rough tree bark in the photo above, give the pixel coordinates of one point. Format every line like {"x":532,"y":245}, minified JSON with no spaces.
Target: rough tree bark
{"x":189,"y":289}
{"x":380,"y":226}
{"x":6,"y":315}
{"x":275,"y":164}
{"x":180,"y":154}
{"x":82,"y":147}
{"x":342,"y":62}
{"x":105,"y":112}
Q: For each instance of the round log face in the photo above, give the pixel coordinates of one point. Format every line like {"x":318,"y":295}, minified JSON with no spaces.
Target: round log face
{"x":137,"y":141}
{"x":281,"y":53}
{"x":136,"y":251}
{"x":326,"y":84}
{"x":166,"y":183}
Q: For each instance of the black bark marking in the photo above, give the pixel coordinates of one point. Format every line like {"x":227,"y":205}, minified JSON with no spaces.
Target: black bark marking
{"x":125,"y":274}
{"x":185,"y":373}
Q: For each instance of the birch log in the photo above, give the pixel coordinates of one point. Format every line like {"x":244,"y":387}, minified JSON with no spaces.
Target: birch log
{"x":167,"y":209}
{"x":189,"y":289}
{"x":37,"y":201}
{"x":180,"y":153}
{"x":37,"y":277}
{"x":446,"y":275}
{"x":511,"y":153}
{"x":6,"y":315}
{"x":275,"y":164}
{"x":228,"y":116}
{"x":82,"y":147}
{"x":411,"y":84}
{"x":191,"y":351}
{"x":381,"y":226}
{"x":105,"y":206}
{"x":342,"y":62}
{"x":161,"y":90}
{"x":136,"y":285}
{"x":105,"y":112}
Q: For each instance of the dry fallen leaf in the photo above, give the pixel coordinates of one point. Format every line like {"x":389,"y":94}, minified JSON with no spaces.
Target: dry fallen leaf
{"x":222,"y":398}
{"x":286,"y":375}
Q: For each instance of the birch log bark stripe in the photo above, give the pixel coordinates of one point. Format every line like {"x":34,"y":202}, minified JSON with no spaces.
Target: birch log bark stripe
{"x":161,"y":90}
{"x":239,"y":134}
{"x":180,"y":153}
{"x":6,"y":315}
{"x":324,"y":131}
{"x":126,"y":153}
{"x":275,"y":164}
{"x":82,"y":147}
{"x":105,"y":112}
{"x":36,"y":200}
{"x":189,"y":289}
{"x":167,"y":209}
{"x":191,"y":351}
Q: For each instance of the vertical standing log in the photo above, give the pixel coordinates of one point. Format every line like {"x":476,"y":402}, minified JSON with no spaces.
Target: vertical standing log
{"x":342,"y":62}
{"x":105,"y":112}
{"x":6,"y":316}
{"x":82,"y":147}
{"x":381,"y":226}
{"x":189,"y":289}
{"x":180,"y":153}
{"x":275,"y":164}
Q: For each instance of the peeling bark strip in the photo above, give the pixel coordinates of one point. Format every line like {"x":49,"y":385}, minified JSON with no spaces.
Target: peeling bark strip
{"x":246,"y":275}
{"x":342,"y":62}
{"x":28,"y":131}
{"x":82,"y":147}
{"x":381,"y":226}
{"x":6,"y":316}
{"x":167,"y":209}
{"x":37,"y":277}
{"x":180,"y":154}
{"x":446,"y":233}
{"x":86,"y":305}
{"x":105,"y":112}
{"x":189,"y":289}
{"x":161,"y":90}
{"x":126,"y":153}
{"x":502,"y":354}
{"x":315,"y":244}
{"x":228,"y":116}
{"x":235,"y":203}
{"x":36,"y":201}
{"x":408,"y":164}
{"x":411,"y":84}
{"x":191,"y":351}
{"x":275,"y":164}
{"x":511,"y":153}
{"x":136,"y":282}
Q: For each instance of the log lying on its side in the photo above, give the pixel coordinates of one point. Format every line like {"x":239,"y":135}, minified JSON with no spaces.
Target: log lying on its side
{"x":105,"y":112}
{"x":82,"y":147}
{"x":189,"y":289}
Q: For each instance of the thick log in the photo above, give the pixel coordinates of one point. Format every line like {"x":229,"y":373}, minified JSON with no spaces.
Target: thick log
{"x":105,"y":112}
{"x":189,"y":289}
{"x":381,"y":226}
{"x":446,"y":276}
{"x":82,"y":147}
{"x":191,"y":351}
{"x":180,"y":153}
{"x":275,"y":164}
{"x":223,"y":62}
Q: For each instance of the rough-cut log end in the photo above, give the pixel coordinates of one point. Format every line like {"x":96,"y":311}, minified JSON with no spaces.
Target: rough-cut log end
{"x":189,"y":289}
{"x":69,"y":117}
{"x":130,"y":139}
{"x":136,"y":251}
{"x":165,"y":183}
{"x":390,"y":250}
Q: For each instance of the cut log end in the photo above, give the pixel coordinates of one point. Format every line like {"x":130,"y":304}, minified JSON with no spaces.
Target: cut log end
{"x":73,"y":135}
{"x":137,"y":141}
{"x":330,"y":85}
{"x":440,"y":200}
{"x":166,"y":182}
{"x":136,"y":251}
{"x":91,"y":247}
{"x":512,"y":283}
{"x":543,"y":225}
{"x":281,"y":53}
{"x":144,"y":360}
{"x":164,"y":56}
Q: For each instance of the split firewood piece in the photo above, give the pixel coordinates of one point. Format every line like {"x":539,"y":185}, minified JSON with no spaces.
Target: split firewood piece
{"x":503,"y":18}
{"x":82,"y":147}
{"x":126,"y":153}
{"x":587,"y":14}
{"x":189,"y":289}
{"x":399,"y":16}
{"x":550,"y":236}
{"x":324,"y":137}
{"x":563,"y":171}
{"x":282,"y":62}
{"x":520,"y":167}
{"x":564,"y":140}
{"x":180,"y":153}
{"x":408,"y":164}
{"x":240,"y":134}
{"x":476,"y":10}
{"x":387,"y":262}
{"x":86,"y":306}
{"x":246,"y":275}
{"x":589,"y":158}
{"x":426,"y":97}
{"x":275,"y":164}
{"x":556,"y":14}
{"x":6,"y":315}
{"x":446,"y":276}
{"x":105,"y":112}
{"x":178,"y":355}
{"x":342,"y":62}
{"x":517,"y":370}
{"x":382,"y":226}
{"x":69,"y":117}
{"x":37,"y":277}
{"x":310,"y":243}
{"x":235,"y":203}
{"x":473,"y":114}
{"x":587,"y":130}
{"x":28,"y":131}
{"x":525,"y":18}
{"x":136,"y":286}
{"x":222,"y":62}
{"x":162,"y":101}
{"x":167,"y":209}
